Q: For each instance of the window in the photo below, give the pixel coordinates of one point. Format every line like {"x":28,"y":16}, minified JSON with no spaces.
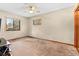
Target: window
{"x":13,"y":25}
{"x":0,"y":24}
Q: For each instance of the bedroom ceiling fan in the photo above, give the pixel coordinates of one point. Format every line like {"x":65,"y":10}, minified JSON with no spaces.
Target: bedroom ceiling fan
{"x":31,"y":8}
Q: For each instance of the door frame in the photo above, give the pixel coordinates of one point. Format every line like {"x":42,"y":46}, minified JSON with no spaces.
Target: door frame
{"x":75,"y":26}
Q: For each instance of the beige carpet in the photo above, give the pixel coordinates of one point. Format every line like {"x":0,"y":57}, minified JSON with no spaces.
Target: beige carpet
{"x":36,"y":47}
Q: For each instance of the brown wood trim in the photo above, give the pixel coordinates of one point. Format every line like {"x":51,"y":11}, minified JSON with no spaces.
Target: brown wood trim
{"x":75,"y":36}
{"x":14,"y":39}
{"x":51,"y":40}
{"x":11,"y":40}
{"x":76,"y":26}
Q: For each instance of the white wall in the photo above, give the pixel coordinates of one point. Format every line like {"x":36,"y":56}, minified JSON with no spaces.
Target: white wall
{"x":56,"y":26}
{"x":13,"y":34}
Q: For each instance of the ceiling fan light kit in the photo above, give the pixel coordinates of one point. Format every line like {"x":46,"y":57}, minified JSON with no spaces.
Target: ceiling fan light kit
{"x":31,"y":8}
{"x":31,"y":11}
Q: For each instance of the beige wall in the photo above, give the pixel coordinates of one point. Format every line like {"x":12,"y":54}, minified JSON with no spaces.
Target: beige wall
{"x":13,"y":34}
{"x":56,"y":26}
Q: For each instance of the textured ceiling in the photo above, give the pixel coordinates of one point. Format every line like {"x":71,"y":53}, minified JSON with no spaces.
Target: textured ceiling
{"x":19,"y":8}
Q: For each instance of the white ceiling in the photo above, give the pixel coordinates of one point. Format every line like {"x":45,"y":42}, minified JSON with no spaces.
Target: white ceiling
{"x":18,"y":8}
